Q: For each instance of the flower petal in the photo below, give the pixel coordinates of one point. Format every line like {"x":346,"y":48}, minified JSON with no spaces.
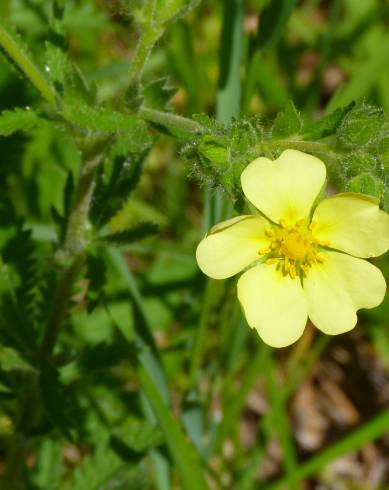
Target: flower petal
{"x":232,"y":245}
{"x":286,"y":188}
{"x":340,"y":286}
{"x":352,"y":223}
{"x":273,"y":304}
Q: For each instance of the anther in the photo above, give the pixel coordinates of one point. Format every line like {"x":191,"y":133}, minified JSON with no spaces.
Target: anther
{"x":263,"y":251}
{"x":271,"y":261}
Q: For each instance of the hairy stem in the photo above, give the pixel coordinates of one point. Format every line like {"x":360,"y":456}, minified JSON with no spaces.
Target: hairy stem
{"x":73,"y":252}
{"x":21,"y":60}
{"x":170,"y":120}
{"x":62,"y":297}
{"x":150,"y":32}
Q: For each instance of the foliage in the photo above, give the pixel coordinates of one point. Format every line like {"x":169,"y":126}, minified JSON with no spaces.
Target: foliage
{"x":114,"y":351}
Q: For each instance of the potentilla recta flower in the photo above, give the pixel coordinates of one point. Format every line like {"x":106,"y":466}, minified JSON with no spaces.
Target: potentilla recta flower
{"x":299,"y":260}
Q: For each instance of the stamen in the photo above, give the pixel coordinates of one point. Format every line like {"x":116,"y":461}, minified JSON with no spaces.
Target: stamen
{"x":294,"y":249}
{"x":264,"y":251}
{"x":273,"y":260}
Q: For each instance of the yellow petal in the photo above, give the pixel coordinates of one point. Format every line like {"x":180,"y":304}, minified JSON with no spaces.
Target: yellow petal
{"x":286,"y":188}
{"x":340,"y":286}
{"x":232,"y":245}
{"x":273,"y":304}
{"x":352,"y":223}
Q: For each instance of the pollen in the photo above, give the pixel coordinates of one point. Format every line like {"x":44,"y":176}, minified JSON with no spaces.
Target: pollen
{"x":294,"y":249}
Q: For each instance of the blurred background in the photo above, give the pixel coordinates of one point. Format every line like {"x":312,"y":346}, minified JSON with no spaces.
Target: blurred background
{"x":312,"y":416}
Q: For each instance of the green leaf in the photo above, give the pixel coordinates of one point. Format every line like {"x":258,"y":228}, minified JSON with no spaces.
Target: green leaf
{"x":186,"y":459}
{"x":366,"y":183}
{"x":359,"y":162}
{"x":362,"y":127}
{"x":288,"y":122}
{"x":273,"y":21}
{"x":116,"y":179}
{"x":129,"y":235}
{"x":57,"y":401}
{"x":138,"y":435}
{"x":97,"y":278}
{"x":105,"y":470}
{"x":171,"y":10}
{"x":157,"y":94}
{"x":18,"y":120}
{"x":102,"y":120}
{"x":327,"y":125}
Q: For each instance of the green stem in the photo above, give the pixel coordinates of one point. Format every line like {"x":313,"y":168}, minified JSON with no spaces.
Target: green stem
{"x":170,"y":120}
{"x":73,"y":252}
{"x":310,"y":146}
{"x":75,"y":240}
{"x":61,"y":303}
{"x":16,"y":54}
{"x":150,"y":32}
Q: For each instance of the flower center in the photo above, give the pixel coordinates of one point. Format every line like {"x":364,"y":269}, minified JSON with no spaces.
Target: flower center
{"x":293,"y":249}
{"x":295,"y":246}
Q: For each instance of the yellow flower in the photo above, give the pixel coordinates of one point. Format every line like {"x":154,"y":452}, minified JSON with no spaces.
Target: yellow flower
{"x":299,"y":261}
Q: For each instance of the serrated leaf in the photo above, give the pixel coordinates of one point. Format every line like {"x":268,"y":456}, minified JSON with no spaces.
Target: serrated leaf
{"x":18,"y":120}
{"x":288,"y":122}
{"x":139,"y":435}
{"x":133,"y":234}
{"x":327,"y":125}
{"x":362,"y":127}
{"x":116,"y":179}
{"x":102,"y":120}
{"x":56,"y":399}
{"x":57,"y":65}
{"x":157,"y":94}
{"x":96,"y":275}
{"x":104,"y":470}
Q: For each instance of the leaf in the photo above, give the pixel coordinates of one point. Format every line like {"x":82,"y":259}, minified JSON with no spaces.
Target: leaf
{"x":362,"y":127}
{"x":287,"y":122}
{"x":157,"y":94}
{"x":129,"y":235}
{"x":105,"y":470}
{"x":96,"y":275}
{"x":366,"y":183}
{"x":20,"y":308}
{"x":327,"y":125}
{"x":18,"y":120}
{"x":140,"y":435}
{"x":116,"y":179}
{"x":273,"y":20}
{"x":171,"y":10}
{"x":102,"y":120}
{"x":57,"y":400}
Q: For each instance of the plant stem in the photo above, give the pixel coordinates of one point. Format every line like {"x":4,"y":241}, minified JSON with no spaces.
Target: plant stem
{"x":311,"y":146}
{"x":73,"y":252}
{"x":21,"y":60}
{"x":170,"y":120}
{"x":150,"y":32}
{"x":61,"y":302}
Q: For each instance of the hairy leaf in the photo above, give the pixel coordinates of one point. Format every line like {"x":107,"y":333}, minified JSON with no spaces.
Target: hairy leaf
{"x":18,"y":120}
{"x":129,"y":235}
{"x":288,"y":122}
